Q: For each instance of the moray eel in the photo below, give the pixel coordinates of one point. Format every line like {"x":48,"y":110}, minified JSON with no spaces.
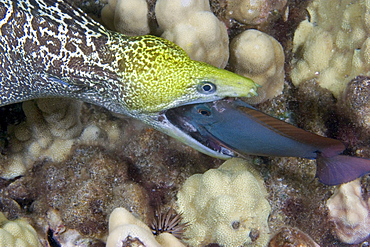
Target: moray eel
{"x":232,"y":127}
{"x":48,"y":48}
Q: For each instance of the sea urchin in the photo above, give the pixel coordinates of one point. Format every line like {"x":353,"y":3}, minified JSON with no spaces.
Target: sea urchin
{"x":170,"y":222}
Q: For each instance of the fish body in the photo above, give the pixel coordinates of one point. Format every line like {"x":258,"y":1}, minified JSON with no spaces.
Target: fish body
{"x":232,"y":126}
{"x":49,"y":48}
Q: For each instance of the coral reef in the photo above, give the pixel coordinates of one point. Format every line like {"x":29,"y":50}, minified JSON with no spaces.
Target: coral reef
{"x":332,"y":46}
{"x":260,"y":57}
{"x":51,"y":129}
{"x":48,"y":133}
{"x":350,"y":213}
{"x":84,"y":188}
{"x":356,"y":103}
{"x":253,"y":12}
{"x":127,"y":230}
{"x":17,"y":233}
{"x":59,"y":234}
{"x":226,"y":206}
{"x":100,"y":162}
{"x":192,"y":26}
{"x":113,"y":162}
{"x":291,"y":237}
{"x":129,"y":17}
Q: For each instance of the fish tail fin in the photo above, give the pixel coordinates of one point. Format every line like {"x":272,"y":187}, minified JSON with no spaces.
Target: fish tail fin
{"x":340,"y":169}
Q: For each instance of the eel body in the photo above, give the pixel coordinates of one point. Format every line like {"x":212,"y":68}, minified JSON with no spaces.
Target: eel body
{"x":49,"y":48}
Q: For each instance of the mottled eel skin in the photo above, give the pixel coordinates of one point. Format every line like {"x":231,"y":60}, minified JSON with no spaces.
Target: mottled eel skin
{"x":48,"y":48}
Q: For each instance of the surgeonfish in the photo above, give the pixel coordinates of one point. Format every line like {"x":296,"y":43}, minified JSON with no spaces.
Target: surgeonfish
{"x":231,"y":127}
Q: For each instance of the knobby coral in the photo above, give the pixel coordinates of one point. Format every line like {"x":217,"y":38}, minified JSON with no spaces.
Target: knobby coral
{"x":227,"y":206}
{"x":17,"y":233}
{"x":125,"y":229}
{"x":259,"y":56}
{"x":333,"y":45}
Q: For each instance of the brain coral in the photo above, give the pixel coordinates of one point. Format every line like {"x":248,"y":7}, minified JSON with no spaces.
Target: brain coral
{"x":333,"y":46}
{"x":226,"y":206}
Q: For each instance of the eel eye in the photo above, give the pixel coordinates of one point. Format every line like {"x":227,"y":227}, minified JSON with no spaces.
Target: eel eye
{"x":204,"y":112}
{"x":206,"y":87}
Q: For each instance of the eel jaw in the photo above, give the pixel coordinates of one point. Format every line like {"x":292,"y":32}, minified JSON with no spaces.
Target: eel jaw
{"x":173,"y":124}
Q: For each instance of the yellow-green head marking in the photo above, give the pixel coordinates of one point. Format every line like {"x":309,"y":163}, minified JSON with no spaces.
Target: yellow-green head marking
{"x":158,"y":75}
{"x":49,"y":48}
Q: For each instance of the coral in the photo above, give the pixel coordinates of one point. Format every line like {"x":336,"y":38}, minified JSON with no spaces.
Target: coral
{"x":350,"y":213}
{"x":112,"y":163}
{"x":333,"y":45}
{"x":356,"y":101}
{"x":85,"y":188}
{"x":50,"y":128}
{"x":17,"y":233}
{"x":59,"y":235}
{"x":292,"y":237}
{"x":189,"y":24}
{"x":226,"y":206}
{"x":124,"y":228}
{"x":260,"y":57}
{"x":192,"y":26}
{"x":253,"y":12}
{"x":129,"y":17}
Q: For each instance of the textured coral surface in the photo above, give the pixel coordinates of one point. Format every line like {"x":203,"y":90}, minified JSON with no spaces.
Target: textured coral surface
{"x":117,"y":162}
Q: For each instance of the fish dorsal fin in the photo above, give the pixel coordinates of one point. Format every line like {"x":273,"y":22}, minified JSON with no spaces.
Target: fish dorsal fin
{"x":327,"y":145}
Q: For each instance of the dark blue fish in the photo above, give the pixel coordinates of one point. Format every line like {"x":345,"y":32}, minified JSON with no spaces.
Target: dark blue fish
{"x":228,"y":126}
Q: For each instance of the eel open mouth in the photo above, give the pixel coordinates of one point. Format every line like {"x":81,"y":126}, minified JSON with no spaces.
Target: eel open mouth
{"x":190,"y":119}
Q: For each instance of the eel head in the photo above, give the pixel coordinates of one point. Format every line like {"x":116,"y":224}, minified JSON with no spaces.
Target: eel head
{"x":158,"y":75}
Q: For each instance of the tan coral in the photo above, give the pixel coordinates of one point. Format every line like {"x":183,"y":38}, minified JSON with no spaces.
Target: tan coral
{"x":253,"y":12}
{"x":192,"y":26}
{"x":17,"y":233}
{"x":333,"y":45}
{"x":129,"y":17}
{"x":225,"y":206}
{"x":350,"y":213}
{"x":51,"y":129}
{"x":259,"y":56}
{"x":124,"y":228}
